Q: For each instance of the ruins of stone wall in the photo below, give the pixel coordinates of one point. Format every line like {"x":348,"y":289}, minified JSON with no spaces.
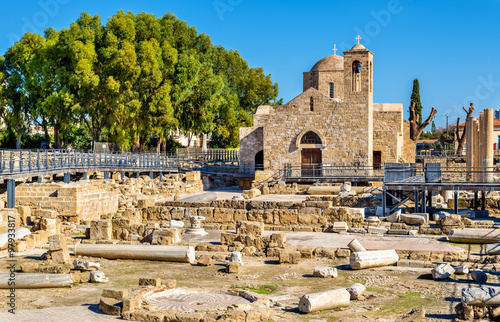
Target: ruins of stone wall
{"x":276,"y":215}
{"x":80,"y":201}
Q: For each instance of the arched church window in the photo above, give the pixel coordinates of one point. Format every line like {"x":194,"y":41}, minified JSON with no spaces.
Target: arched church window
{"x":310,"y":138}
{"x":331,"y":90}
{"x":311,"y":104}
{"x":356,"y":76}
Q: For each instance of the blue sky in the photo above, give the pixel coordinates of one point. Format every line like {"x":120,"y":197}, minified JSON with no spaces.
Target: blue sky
{"x":452,"y":47}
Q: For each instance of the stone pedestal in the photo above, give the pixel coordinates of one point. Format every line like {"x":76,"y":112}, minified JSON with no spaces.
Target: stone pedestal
{"x":196,"y":228}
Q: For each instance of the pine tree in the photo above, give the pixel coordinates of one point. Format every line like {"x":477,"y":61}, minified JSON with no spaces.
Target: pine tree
{"x":433,"y":127}
{"x":415,"y":97}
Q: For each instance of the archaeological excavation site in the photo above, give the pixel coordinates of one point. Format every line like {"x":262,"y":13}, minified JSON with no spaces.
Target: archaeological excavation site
{"x":210,"y":198}
{"x":412,"y":243}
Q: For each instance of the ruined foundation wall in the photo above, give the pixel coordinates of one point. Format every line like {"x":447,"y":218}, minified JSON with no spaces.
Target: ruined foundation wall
{"x":82,"y":201}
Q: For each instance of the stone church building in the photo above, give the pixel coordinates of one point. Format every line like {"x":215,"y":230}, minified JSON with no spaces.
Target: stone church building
{"x":334,"y":122}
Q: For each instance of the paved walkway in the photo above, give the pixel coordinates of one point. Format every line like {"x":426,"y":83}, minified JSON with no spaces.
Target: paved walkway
{"x":370,"y":242}
{"x":59,"y":314}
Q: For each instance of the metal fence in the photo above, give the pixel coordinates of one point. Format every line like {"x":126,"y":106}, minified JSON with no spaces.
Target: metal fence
{"x":322,"y":171}
{"x":210,"y":155}
{"x":435,"y":173}
{"x":13,"y":162}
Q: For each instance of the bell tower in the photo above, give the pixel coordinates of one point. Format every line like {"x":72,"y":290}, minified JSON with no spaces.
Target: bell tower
{"x":358,"y":91}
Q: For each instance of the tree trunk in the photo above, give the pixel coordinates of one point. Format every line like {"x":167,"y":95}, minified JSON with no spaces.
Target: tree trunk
{"x":159,"y":144}
{"x":415,"y":129}
{"x":204,"y":143}
{"x":57,"y":137}
{"x":461,"y":138}
{"x":19,"y":135}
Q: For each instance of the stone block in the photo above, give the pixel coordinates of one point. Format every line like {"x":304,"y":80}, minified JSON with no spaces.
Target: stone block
{"x":233,"y":267}
{"x":228,"y":238}
{"x":252,"y":193}
{"x":29,"y":267}
{"x":60,"y":256}
{"x":413,"y":219}
{"x":250,"y":228}
{"x":45,"y":213}
{"x":24,"y":215}
{"x":339,"y":226}
{"x":442,"y":271}
{"x":451,"y":220}
{"x":223,"y":215}
{"x":145,"y":203}
{"x":143,"y":281}
{"x":205,"y":260}
{"x":422,"y":214}
{"x":44,"y":236}
{"x":57,"y":242}
{"x":343,"y":253}
{"x":325,"y":272}
{"x":48,"y":224}
{"x":117,"y":294}
{"x":101,"y":230}
{"x":279,"y":239}
{"x":289,"y":257}
{"x":110,"y":306}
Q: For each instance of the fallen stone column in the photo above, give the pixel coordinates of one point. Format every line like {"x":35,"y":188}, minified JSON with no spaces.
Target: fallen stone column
{"x":183,"y":254}
{"x":375,"y":258}
{"x":474,"y":235}
{"x":324,"y":300}
{"x":355,"y":246}
{"x":492,"y":249}
{"x":19,"y":233}
{"x":33,"y":280}
{"x":481,"y":296}
{"x":356,"y":291}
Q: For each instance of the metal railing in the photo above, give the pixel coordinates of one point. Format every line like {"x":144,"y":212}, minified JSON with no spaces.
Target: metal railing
{"x":211,"y":155}
{"x":322,"y":171}
{"x":15,"y":162}
{"x":436,"y":173}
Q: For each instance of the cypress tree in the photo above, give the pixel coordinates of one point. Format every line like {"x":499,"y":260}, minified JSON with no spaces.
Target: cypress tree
{"x":415,"y":97}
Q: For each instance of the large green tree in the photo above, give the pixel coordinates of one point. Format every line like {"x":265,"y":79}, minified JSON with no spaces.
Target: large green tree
{"x":134,"y":78}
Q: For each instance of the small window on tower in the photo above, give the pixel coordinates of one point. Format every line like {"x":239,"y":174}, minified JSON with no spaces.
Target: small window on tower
{"x":331,"y":90}
{"x":311,"y":104}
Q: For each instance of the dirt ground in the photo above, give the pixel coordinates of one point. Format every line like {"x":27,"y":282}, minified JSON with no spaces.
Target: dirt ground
{"x":391,"y":292}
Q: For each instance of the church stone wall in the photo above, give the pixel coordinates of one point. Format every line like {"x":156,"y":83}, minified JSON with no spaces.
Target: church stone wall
{"x":251,"y":139}
{"x":343,"y":126}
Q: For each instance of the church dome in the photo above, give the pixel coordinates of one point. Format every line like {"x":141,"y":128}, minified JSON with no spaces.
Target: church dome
{"x":358,"y":46}
{"x":332,"y":62}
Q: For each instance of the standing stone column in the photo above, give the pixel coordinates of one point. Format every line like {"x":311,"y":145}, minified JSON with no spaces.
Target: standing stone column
{"x":475,"y":147}
{"x":469,"y":148}
{"x":481,"y":153}
{"x":488,"y":144}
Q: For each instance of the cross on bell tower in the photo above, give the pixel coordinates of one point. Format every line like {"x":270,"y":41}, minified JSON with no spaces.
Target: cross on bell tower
{"x":358,"y":38}
{"x":335,"y":49}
